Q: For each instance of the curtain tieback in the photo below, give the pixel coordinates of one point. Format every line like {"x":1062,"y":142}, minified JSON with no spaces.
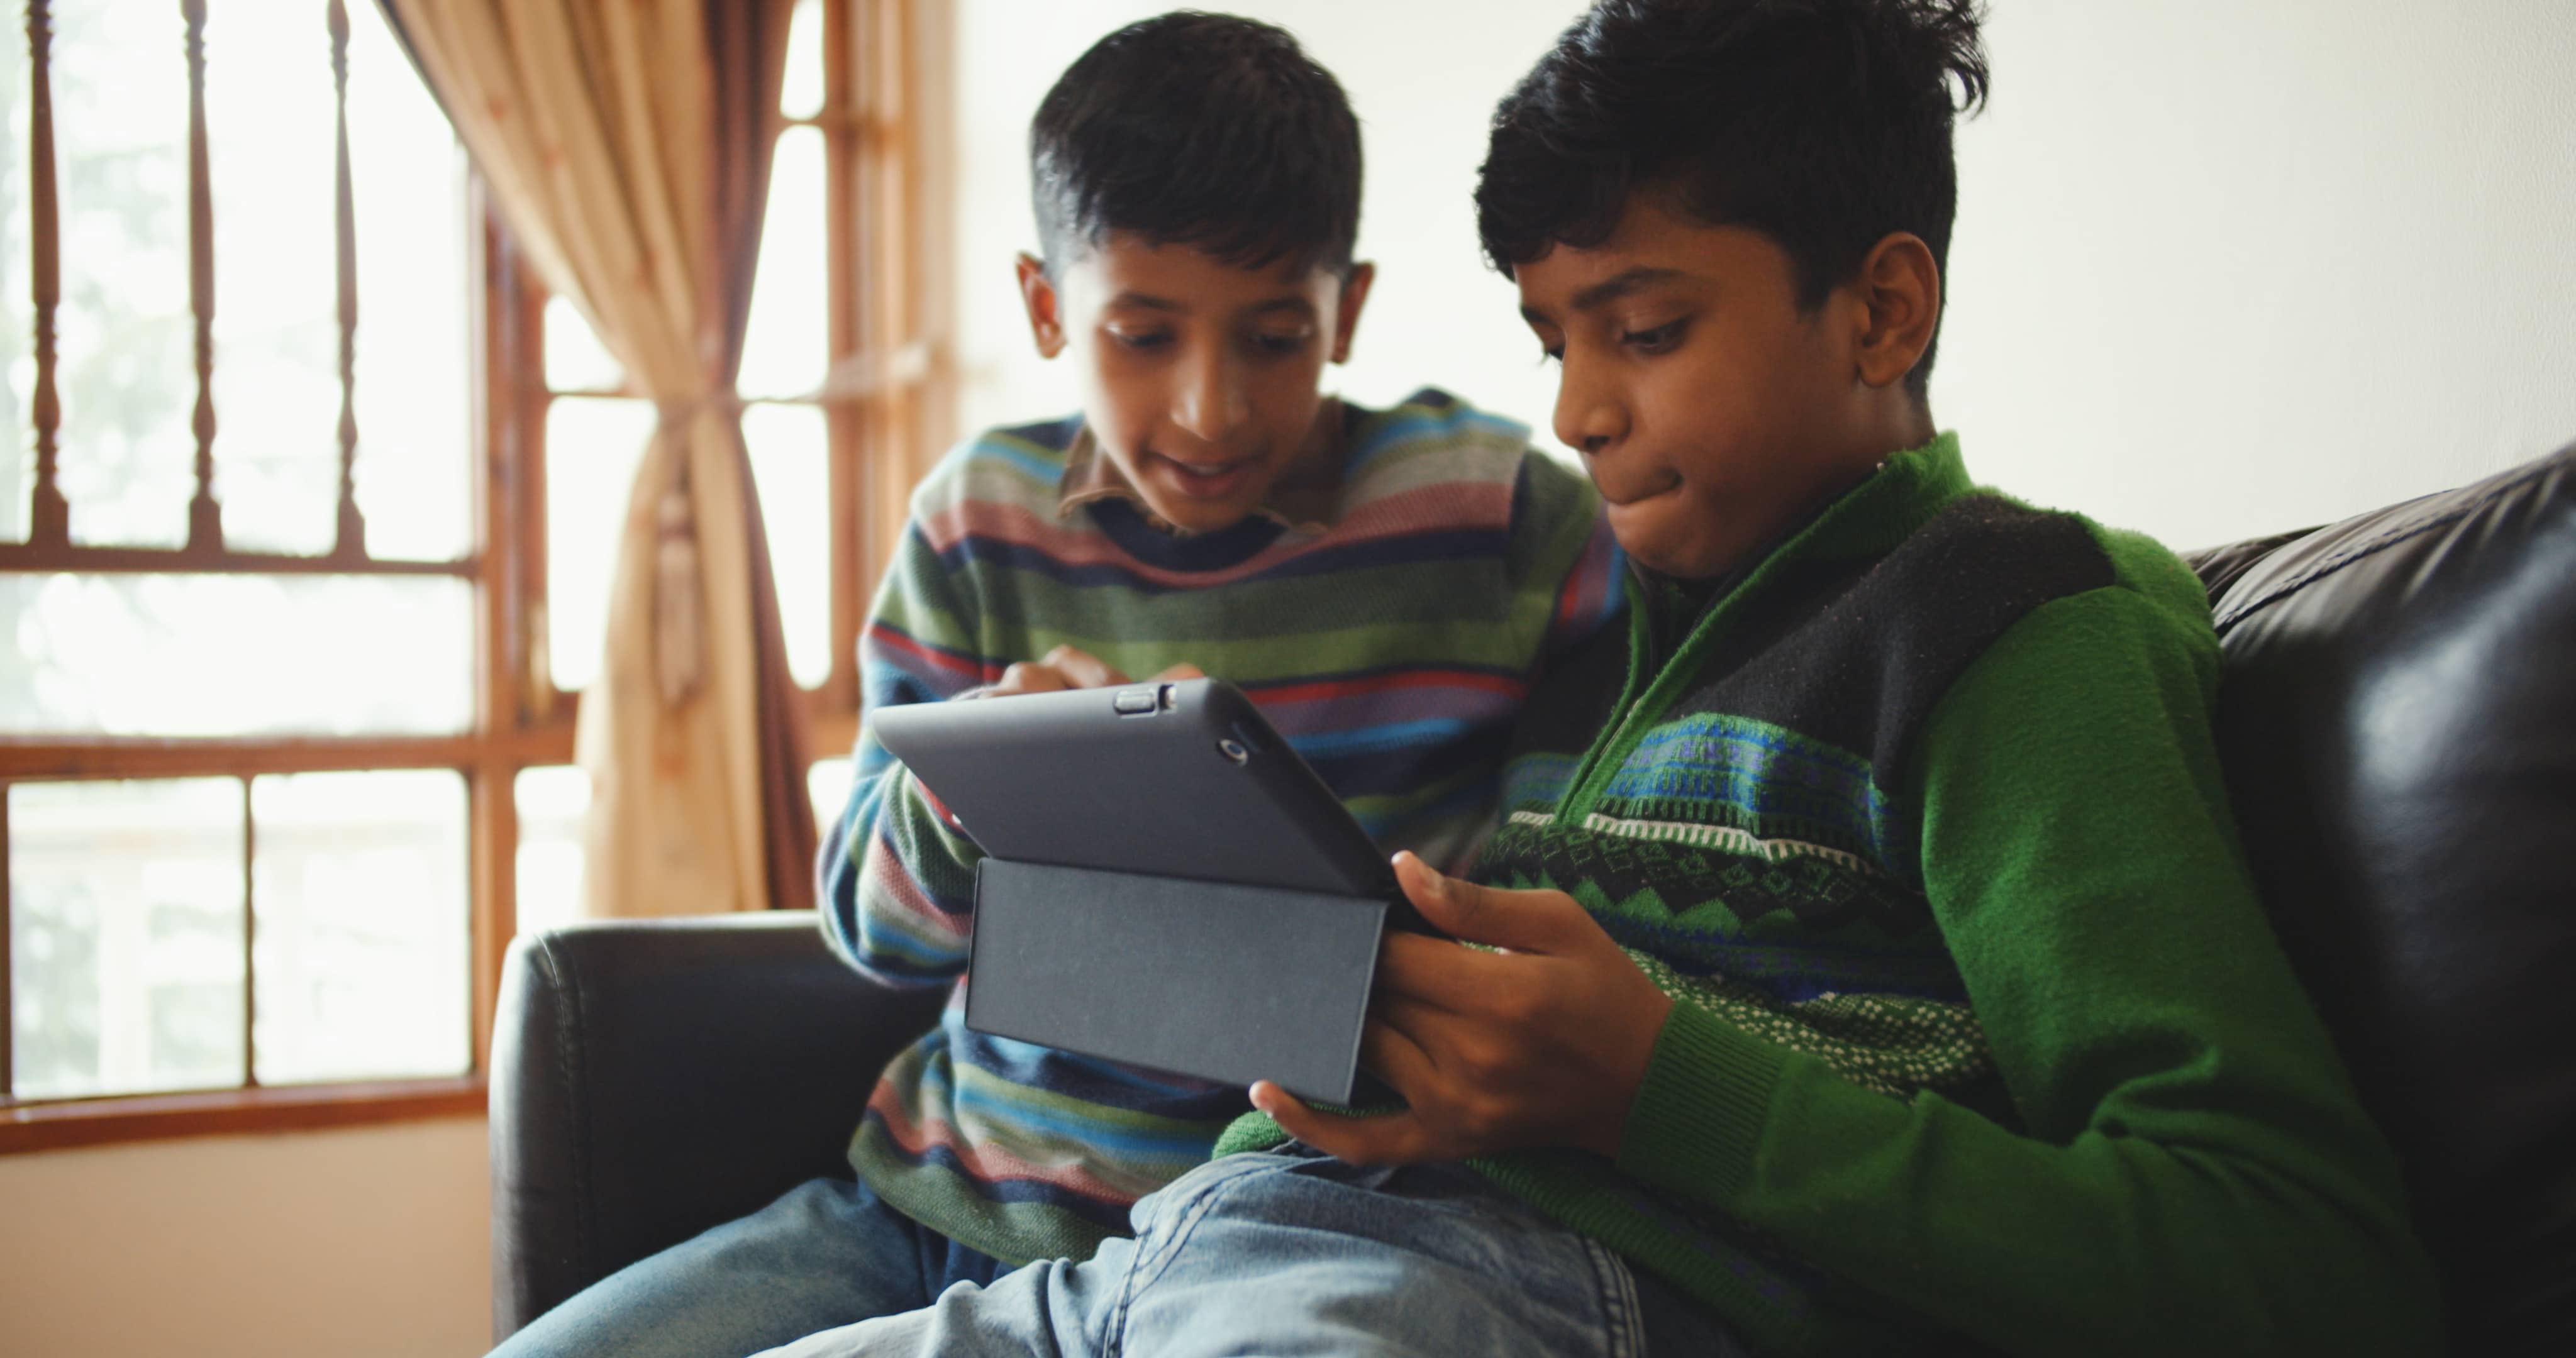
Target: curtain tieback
{"x":679,"y":414}
{"x":679,"y":590}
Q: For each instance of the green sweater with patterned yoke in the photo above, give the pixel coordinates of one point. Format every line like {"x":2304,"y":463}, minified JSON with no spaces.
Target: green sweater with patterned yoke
{"x":1981,"y":1041}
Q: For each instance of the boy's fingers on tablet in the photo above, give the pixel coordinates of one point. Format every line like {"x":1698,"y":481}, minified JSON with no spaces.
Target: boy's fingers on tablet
{"x":1290,"y":1112}
{"x":1524,"y":921}
{"x":1437,"y":973}
{"x":1391,"y":1052}
{"x":1179,"y":672}
{"x":1403,"y":1021}
{"x":1028,"y":676}
{"x":1396,"y":1138}
{"x":1082,"y":669}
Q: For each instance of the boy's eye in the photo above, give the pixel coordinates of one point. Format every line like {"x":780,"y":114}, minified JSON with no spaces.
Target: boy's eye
{"x":1279,"y":342}
{"x":1653,"y":341}
{"x":1141,"y":339}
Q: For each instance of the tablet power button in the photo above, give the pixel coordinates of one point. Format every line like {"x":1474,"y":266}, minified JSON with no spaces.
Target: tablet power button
{"x":1133,"y":702}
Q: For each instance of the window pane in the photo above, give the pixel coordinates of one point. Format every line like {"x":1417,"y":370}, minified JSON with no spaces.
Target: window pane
{"x":128,"y":380}
{"x":234,"y":655}
{"x":575,"y":359}
{"x":127,"y":377}
{"x":415,"y":287}
{"x":828,"y":783}
{"x":360,"y":920}
{"x":125,"y":936}
{"x":792,"y":478}
{"x":592,"y":449}
{"x":789,"y":343}
{"x":269,"y":147}
{"x":551,"y":802}
{"x":802,"y":95}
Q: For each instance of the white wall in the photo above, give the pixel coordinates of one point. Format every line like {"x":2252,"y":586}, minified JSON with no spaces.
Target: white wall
{"x":368,"y":1241}
{"x":2222,"y":266}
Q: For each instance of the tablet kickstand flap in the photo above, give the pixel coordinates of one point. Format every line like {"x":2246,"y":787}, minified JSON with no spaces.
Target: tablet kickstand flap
{"x":1226,"y":983}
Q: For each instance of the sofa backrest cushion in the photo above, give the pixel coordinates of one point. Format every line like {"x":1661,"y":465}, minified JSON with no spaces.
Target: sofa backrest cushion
{"x":2398,"y":725}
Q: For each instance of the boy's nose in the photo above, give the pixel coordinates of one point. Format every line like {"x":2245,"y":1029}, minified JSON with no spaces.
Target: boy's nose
{"x":1587,"y":419}
{"x":1210,"y":402}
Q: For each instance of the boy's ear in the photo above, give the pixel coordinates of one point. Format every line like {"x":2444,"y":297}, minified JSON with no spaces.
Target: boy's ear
{"x":1900,"y":290}
{"x":1346,"y":316}
{"x":1037,"y":293}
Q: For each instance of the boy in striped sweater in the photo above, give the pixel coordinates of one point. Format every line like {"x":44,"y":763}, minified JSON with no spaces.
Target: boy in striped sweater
{"x":1382,"y":583}
{"x":1385,"y":584}
{"x":1868,"y":963}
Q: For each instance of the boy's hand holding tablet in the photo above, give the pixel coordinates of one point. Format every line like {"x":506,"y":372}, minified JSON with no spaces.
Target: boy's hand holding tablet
{"x":1542,"y":1043}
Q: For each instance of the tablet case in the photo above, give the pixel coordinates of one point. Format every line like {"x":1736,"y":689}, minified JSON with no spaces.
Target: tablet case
{"x":1169,"y":884}
{"x":1224,"y":982}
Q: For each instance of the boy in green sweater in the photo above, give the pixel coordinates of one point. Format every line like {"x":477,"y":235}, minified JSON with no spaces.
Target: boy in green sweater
{"x":1868,"y":964}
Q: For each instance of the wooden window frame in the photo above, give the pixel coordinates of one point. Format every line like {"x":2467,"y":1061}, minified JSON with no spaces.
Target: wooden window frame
{"x":885,"y":402}
{"x":506,"y":736}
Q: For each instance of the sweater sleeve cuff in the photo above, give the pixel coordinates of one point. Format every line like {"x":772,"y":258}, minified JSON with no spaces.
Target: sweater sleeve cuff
{"x":1698,"y":1119}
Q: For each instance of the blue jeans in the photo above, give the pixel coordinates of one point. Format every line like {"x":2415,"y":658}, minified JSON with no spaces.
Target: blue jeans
{"x":1293,"y":1253}
{"x":826,"y":1254}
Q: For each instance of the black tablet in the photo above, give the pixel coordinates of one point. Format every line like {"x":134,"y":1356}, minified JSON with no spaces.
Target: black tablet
{"x":1180,"y":779}
{"x":1167,"y":882}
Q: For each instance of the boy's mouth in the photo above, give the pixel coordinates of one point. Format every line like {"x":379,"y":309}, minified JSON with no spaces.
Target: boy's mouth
{"x":1204,"y":480}
{"x":1620,"y":496}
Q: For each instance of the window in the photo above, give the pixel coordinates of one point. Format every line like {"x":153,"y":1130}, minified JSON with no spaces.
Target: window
{"x":305,"y":533}
{"x":839,"y":388}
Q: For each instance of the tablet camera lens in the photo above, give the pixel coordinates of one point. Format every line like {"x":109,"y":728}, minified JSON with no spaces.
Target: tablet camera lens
{"x":1233,"y":749}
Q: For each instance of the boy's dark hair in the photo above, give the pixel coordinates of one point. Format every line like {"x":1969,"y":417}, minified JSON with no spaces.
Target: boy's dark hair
{"x":1199,"y":129}
{"x":1823,"y":124}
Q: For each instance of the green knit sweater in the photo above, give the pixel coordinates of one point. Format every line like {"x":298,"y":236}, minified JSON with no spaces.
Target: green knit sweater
{"x":1981,"y":1041}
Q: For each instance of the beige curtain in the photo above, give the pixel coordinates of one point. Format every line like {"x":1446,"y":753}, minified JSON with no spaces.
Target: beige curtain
{"x":626,"y":144}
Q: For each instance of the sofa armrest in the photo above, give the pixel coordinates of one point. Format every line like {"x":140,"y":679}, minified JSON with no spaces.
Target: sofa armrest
{"x":651,"y":1079}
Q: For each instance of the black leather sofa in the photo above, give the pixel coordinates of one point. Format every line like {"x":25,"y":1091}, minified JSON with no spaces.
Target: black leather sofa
{"x":2398,"y":723}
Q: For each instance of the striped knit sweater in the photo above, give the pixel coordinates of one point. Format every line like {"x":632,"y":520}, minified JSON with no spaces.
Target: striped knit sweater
{"x":1980,"y":1041}
{"x":1391,"y":646}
